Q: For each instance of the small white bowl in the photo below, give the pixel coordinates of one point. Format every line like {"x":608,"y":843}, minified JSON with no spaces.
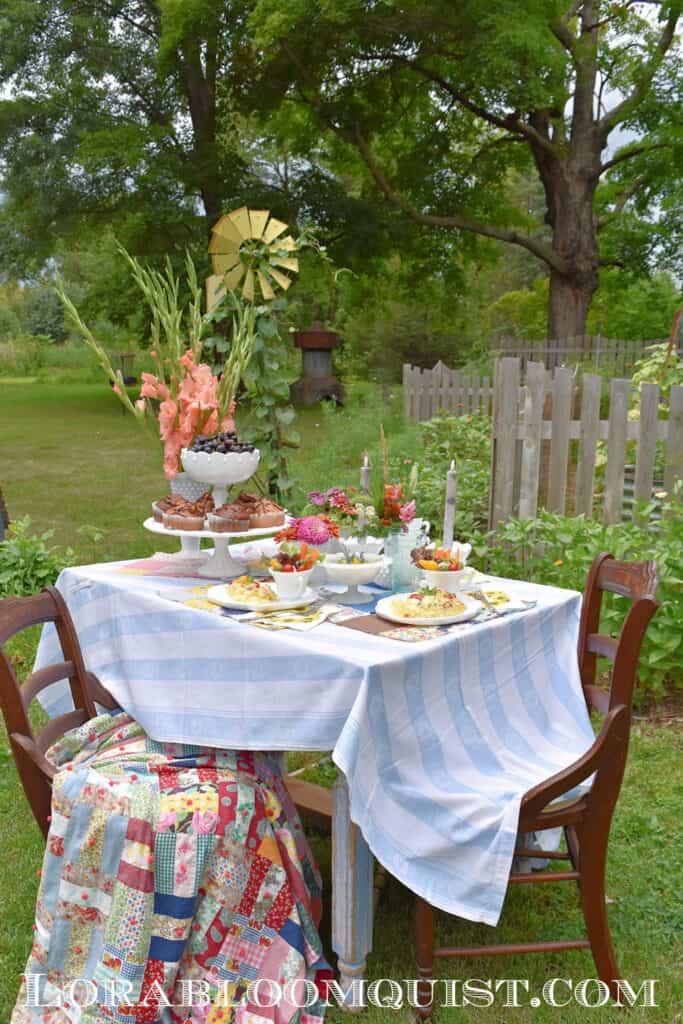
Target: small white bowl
{"x":452,"y":581}
{"x":291,"y":585}
{"x":339,"y":571}
{"x":354,"y":576}
{"x":222,"y":470}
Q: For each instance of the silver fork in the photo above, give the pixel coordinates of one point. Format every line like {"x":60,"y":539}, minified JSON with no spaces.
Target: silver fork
{"x":481,"y":596}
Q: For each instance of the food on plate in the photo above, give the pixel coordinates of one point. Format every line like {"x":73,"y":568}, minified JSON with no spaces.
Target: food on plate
{"x":293,"y":557}
{"x":428,"y":603}
{"x":187,"y":515}
{"x":247,"y":590}
{"x":435,"y":559}
{"x":224,"y":442}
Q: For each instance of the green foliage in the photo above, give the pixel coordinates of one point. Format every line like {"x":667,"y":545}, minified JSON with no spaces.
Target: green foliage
{"x":27,"y":562}
{"x":9,"y":323}
{"x":558,"y":550}
{"x":265,"y":413}
{"x":659,"y":366}
{"x":641,"y":308}
{"x":467,"y":439}
{"x":42,"y":313}
{"x":520,"y":313}
{"x":626,"y":307}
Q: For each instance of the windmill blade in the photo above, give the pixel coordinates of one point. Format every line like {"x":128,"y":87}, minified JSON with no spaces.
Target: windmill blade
{"x":287,"y":243}
{"x":240,"y":221}
{"x":258,"y":220}
{"x":224,"y":234}
{"x":288,"y":262}
{"x":281,"y":279}
{"x":275,"y":228}
{"x":248,"y":287}
{"x":267,"y":291}
{"x":223,"y":262}
{"x":234,"y":276}
{"x":215,"y":291}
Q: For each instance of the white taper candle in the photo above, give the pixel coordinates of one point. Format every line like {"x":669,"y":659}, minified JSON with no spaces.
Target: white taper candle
{"x":449,"y":509}
{"x":365,"y":475}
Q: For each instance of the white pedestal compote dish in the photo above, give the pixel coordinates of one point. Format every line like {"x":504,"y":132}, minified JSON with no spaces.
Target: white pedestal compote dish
{"x":221,"y":470}
{"x":353,"y":575}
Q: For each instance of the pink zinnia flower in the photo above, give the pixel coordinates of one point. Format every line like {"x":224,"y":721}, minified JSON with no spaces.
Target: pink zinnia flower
{"x":312,"y":530}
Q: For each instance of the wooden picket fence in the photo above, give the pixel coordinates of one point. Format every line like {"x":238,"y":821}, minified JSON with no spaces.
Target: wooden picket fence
{"x":546,"y":430}
{"x":425,"y":392}
{"x":618,"y":355}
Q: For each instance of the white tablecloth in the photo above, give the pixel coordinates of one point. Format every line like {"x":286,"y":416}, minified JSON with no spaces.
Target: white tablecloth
{"x":439,"y":740}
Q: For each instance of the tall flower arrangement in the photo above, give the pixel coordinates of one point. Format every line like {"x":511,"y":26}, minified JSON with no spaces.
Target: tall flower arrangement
{"x":183,"y":396}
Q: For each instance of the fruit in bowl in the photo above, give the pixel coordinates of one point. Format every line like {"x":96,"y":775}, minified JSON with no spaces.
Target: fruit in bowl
{"x":292,"y":567}
{"x":444,"y":567}
{"x":221,"y":460}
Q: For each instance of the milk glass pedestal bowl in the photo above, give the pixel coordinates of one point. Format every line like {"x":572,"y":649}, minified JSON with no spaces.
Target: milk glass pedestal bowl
{"x":353,"y":576}
{"x":221,"y":470}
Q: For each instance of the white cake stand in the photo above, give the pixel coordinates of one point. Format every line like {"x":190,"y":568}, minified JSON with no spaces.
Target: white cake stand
{"x":220,"y":564}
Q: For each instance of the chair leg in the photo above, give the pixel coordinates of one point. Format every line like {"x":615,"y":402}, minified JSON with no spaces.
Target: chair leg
{"x":424,"y":945}
{"x":592,"y":886}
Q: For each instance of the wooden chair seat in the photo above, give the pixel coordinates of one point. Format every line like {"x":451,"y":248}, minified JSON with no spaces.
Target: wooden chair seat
{"x":35,"y":770}
{"x":586,"y":818}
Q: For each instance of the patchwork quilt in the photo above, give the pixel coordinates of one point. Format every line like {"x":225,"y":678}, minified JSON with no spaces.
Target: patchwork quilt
{"x":177,"y":888}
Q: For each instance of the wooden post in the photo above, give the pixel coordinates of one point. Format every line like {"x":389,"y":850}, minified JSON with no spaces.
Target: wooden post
{"x":559,"y":441}
{"x":589,"y":432}
{"x":506,"y":398}
{"x":406,"y":390}
{"x":616,"y":450}
{"x":531,"y":442}
{"x":647,"y":442}
{"x":673,"y":469}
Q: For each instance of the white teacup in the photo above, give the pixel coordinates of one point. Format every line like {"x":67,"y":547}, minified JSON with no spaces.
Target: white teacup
{"x":454,"y":581}
{"x":291,"y":585}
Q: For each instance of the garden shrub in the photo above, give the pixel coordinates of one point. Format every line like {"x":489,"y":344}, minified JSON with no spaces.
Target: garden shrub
{"x":27,"y":562}
{"x":42,"y":313}
{"x":558,"y":550}
{"x":467,"y":439}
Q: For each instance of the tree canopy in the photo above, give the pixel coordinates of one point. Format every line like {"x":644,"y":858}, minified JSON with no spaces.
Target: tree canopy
{"x":426,"y":130}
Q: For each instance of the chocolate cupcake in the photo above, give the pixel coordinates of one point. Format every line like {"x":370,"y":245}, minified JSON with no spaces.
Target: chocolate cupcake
{"x":265,"y":514}
{"x":230,"y":518}
{"x":162,"y":505}
{"x":185,"y":516}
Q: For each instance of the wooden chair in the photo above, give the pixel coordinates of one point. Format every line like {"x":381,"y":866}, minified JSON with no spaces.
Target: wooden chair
{"x":586,"y":819}
{"x":35,"y":771}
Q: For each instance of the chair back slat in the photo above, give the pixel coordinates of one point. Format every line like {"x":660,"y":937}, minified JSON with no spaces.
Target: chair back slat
{"x":603,"y":646}
{"x":56,"y":728}
{"x":17,"y":614}
{"x":44,"y":677}
{"x":638,"y":582}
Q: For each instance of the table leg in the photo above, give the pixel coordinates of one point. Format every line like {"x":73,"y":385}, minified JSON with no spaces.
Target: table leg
{"x":352,"y":896}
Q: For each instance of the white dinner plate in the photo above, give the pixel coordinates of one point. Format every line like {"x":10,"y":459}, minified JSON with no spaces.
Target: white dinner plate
{"x":219,"y":595}
{"x":385,"y":610}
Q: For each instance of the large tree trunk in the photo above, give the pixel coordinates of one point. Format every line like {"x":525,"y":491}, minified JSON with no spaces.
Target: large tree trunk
{"x":570,"y":192}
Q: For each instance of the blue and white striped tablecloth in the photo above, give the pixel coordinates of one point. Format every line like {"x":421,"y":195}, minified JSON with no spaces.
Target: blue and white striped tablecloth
{"x":439,"y":740}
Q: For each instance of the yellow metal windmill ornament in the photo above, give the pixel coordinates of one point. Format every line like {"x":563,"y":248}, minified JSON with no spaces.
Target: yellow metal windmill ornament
{"x":249,"y":248}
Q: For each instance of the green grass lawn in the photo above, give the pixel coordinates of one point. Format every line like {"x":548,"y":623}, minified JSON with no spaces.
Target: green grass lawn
{"x":68,"y":457}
